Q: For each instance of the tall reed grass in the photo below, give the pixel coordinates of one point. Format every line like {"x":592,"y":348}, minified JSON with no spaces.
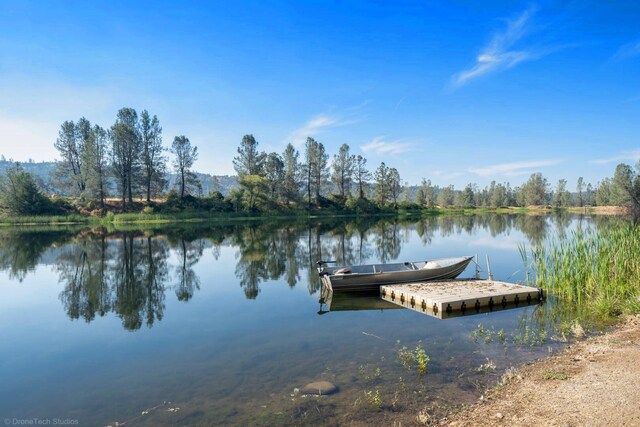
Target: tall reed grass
{"x":597,"y":271}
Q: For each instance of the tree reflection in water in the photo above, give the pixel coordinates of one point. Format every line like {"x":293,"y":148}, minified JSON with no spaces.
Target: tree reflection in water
{"x":125,"y":273}
{"x":21,"y":250}
{"x":128,"y":273}
{"x":83,"y":270}
{"x":187,"y":282}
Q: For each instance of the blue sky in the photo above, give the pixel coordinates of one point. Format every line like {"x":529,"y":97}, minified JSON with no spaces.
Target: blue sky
{"x":455,"y":91}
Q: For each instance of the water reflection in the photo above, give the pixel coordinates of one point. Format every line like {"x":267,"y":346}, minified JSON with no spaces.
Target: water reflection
{"x":340,"y":301}
{"x":126,"y":273}
{"x":21,"y":251}
{"x":129,"y":273}
{"x":189,"y":253}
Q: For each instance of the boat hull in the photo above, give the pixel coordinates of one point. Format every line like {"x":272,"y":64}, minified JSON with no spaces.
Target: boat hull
{"x":369,"y":282}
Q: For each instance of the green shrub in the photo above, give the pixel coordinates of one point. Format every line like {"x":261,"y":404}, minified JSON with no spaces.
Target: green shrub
{"x":19,"y":194}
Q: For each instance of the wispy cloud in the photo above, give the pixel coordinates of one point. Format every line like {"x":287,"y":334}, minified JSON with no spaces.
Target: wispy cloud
{"x":627,"y":51}
{"x":313,"y":127}
{"x":498,"y":54}
{"x":379,"y":146}
{"x":322,"y":122}
{"x":513,"y":169}
{"x":358,"y":107}
{"x":631,"y":155}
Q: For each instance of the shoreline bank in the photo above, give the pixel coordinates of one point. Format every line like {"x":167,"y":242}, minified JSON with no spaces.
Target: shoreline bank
{"x":591,"y":382}
{"x":205,"y":216}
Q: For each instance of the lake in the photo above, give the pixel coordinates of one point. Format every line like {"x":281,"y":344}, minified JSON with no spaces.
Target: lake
{"x":223,"y":323}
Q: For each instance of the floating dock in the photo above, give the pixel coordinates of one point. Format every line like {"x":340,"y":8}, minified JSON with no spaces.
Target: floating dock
{"x":451,"y":298}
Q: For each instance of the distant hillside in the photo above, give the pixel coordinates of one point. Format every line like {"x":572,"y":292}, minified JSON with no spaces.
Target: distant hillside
{"x":41,"y":169}
{"x":225,"y":183}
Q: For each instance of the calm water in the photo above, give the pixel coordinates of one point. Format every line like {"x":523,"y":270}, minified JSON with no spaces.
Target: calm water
{"x":222,"y":322}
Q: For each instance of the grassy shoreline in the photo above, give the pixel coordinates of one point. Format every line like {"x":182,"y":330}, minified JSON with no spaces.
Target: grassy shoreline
{"x":205,"y":216}
{"x":597,"y":271}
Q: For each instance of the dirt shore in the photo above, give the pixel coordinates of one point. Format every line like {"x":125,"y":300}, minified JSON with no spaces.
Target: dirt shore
{"x":591,"y":383}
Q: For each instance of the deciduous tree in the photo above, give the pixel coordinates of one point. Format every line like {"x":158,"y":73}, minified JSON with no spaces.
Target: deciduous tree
{"x":535,"y":190}
{"x":125,"y":151}
{"x":153,"y":161}
{"x":603,"y":192}
{"x":315,"y":168}
{"x":70,"y":147}
{"x":361,"y":174}
{"x":292,"y":171}
{"x":185,"y":157}
{"x":445,"y":197}
{"x":249,"y":160}
{"x":274,"y":174}
{"x":580,"y":191}
{"x":343,"y":167}
{"x":394,"y":184}
{"x":381,"y":177}
{"x":561,"y":196}
{"x":95,"y":164}
{"x":625,"y":186}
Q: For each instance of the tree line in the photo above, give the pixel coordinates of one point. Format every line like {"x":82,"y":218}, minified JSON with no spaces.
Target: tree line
{"x":272,"y":180}
{"x":130,"y":152}
{"x":129,"y":161}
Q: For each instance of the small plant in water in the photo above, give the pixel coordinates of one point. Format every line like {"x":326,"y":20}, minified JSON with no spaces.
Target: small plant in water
{"x":477,"y":333}
{"x":530,"y":336}
{"x":373,"y":399}
{"x":362,"y":370}
{"x":405,"y":357}
{"x":421,"y":358}
{"x":487,"y":367}
{"x":484,"y":333}
{"x":399,"y":392}
{"x":418,"y":357}
{"x":367,"y":374}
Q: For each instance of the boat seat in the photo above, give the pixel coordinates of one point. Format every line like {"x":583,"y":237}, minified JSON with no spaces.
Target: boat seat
{"x":431,"y":264}
{"x":342,"y":271}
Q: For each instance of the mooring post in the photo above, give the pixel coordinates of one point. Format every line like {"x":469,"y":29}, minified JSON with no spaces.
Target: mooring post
{"x":489,"y":275}
{"x":477,"y":268}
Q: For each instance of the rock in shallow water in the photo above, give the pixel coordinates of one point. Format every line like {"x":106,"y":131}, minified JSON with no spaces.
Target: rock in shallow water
{"x":319,"y":388}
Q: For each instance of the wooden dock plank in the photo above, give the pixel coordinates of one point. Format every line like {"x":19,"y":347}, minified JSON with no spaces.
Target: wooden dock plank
{"x":439,"y":297}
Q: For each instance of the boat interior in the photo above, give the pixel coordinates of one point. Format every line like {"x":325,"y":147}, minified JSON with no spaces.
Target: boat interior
{"x":391,"y":268}
{"x":374,"y":268}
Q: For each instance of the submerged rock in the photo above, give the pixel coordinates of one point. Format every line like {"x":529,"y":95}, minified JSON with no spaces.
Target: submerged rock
{"x":319,"y":388}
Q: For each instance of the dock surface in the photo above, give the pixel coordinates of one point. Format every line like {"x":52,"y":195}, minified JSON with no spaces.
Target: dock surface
{"x":444,"y":298}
